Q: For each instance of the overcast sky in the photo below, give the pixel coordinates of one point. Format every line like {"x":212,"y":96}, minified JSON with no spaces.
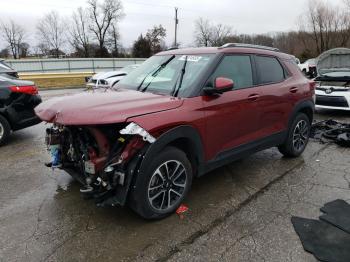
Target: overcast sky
{"x":244,"y":16}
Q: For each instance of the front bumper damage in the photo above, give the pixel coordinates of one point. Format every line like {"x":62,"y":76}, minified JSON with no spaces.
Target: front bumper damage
{"x":102,"y":158}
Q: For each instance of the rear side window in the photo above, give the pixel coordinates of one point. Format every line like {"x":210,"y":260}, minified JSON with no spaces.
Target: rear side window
{"x":269,"y":70}
{"x":238,"y":68}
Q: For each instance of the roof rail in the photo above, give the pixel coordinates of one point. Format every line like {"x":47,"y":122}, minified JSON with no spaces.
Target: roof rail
{"x":172,"y":48}
{"x":228,"y":45}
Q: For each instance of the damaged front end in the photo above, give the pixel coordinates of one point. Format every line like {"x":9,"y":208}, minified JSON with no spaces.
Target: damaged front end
{"x":102,"y":158}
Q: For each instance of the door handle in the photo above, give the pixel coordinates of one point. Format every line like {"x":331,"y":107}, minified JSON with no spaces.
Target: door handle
{"x":293,"y":89}
{"x":253,"y":97}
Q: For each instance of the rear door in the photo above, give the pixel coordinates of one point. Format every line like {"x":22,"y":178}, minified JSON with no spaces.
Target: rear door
{"x":232,"y":117}
{"x":276,"y":94}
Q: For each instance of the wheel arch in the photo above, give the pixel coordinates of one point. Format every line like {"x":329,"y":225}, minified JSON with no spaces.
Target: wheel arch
{"x":185,"y":138}
{"x":307,"y":107}
{"x":4,"y":114}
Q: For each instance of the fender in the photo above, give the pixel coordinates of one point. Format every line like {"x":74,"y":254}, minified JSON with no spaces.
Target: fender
{"x":305,"y":104}
{"x":184,"y":131}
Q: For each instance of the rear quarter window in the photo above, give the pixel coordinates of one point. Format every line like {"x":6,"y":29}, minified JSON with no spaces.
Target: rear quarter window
{"x":269,"y":70}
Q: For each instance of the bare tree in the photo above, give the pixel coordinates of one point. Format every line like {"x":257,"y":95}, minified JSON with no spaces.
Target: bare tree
{"x":219,"y":34}
{"x":208,"y":34}
{"x":4,"y":53}
{"x":102,"y":17}
{"x":156,"y":37}
{"x":329,"y":26}
{"x":51,"y":31}
{"x":203,"y":32}
{"x":13,"y":34}
{"x":80,"y":33}
{"x":113,"y":40}
{"x":23,"y":49}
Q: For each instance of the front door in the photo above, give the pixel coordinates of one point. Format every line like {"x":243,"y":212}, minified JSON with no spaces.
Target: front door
{"x":232,"y":117}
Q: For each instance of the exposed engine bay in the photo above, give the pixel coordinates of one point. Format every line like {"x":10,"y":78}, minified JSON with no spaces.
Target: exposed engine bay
{"x":99,"y":157}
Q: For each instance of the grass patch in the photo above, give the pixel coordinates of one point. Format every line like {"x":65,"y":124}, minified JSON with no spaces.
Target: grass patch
{"x":57,"y":80}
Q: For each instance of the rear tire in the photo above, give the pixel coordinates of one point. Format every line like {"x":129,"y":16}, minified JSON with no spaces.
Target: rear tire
{"x":298,"y":137}
{"x":160,"y":189}
{"x":5,"y":130}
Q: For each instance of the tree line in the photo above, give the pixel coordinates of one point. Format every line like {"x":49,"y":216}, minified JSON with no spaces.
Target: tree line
{"x":92,"y":31}
{"x":321,"y":27}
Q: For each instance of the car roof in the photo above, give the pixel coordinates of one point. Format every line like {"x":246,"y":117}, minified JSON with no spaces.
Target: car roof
{"x":226,"y":50}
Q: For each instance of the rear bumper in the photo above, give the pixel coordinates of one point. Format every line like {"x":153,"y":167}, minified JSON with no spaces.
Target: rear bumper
{"x":24,"y":123}
{"x":21,"y":112}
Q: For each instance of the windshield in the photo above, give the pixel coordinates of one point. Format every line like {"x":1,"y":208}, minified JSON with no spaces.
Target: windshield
{"x":162,"y":74}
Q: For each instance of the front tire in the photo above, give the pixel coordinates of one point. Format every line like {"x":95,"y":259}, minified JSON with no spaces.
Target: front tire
{"x":5,"y":130}
{"x":159,"y":190}
{"x":298,"y":137}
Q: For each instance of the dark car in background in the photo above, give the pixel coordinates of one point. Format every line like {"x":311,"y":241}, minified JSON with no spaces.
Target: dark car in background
{"x":6,"y":70}
{"x":17,"y":101}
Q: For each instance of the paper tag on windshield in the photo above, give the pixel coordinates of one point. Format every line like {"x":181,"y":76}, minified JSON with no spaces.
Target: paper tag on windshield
{"x":190,"y":58}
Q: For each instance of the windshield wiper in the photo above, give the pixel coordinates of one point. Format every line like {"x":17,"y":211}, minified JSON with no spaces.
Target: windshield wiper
{"x":154,"y":73}
{"x":175,"y":91}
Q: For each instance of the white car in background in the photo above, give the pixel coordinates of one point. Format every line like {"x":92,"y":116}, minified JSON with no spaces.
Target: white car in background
{"x":333,"y":80}
{"x":309,"y":67}
{"x":108,"y":79}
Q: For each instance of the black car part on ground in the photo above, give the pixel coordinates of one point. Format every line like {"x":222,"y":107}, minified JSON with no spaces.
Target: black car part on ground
{"x":331,"y":131}
{"x":328,"y":239}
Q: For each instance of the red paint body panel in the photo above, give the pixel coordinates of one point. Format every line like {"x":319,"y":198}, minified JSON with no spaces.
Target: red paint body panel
{"x":103,"y":107}
{"x":223,"y":121}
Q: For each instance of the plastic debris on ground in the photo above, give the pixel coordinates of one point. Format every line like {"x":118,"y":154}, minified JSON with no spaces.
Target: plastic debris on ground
{"x":181,"y":210}
{"x":329,"y":131}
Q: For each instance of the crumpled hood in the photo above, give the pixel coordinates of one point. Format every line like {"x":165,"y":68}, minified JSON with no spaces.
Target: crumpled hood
{"x":334,"y":60}
{"x":111,"y":106}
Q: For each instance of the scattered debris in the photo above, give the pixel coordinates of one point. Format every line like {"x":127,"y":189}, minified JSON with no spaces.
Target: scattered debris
{"x":181,"y":210}
{"x":331,"y":131}
{"x":328,"y":238}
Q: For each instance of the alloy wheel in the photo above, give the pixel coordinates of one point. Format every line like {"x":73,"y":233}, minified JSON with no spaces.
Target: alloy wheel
{"x":1,"y":131}
{"x":300,"y":135}
{"x":167,"y":185}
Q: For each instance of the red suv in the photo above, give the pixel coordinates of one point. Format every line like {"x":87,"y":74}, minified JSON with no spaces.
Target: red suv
{"x":181,"y":114}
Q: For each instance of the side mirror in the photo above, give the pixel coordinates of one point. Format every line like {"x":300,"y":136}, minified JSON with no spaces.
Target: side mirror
{"x":221,"y":85}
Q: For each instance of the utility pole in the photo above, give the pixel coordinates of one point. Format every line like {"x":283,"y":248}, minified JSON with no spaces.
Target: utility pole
{"x":176,"y":23}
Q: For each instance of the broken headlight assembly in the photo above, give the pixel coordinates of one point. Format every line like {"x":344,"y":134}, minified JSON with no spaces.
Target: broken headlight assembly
{"x":135,"y":129}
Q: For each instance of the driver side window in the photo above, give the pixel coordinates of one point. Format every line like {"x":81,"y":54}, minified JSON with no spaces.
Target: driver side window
{"x":238,"y":68}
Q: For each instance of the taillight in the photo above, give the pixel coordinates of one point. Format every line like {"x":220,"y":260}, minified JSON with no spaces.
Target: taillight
{"x":30,"y":90}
